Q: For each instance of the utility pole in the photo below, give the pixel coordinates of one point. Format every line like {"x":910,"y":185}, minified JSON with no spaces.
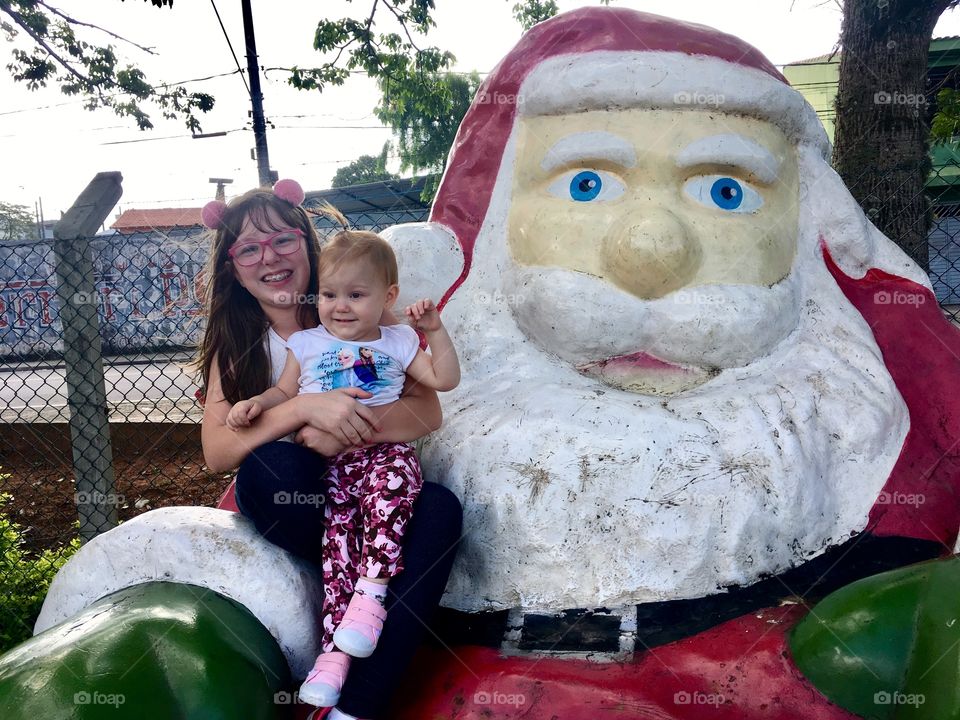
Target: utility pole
{"x":267,"y":176}
{"x":221,"y":193}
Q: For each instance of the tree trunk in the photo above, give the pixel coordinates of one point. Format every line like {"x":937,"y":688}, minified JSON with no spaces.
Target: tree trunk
{"x":883,"y":117}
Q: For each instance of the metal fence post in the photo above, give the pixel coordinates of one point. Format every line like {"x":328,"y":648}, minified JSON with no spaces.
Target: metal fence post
{"x":86,"y":395}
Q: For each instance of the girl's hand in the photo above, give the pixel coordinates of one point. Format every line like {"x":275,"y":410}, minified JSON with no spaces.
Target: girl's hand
{"x":424,"y":315}
{"x":338,"y":413}
{"x":320,"y":442}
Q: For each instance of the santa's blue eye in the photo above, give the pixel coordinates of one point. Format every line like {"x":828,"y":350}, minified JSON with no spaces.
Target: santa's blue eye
{"x":725,"y":193}
{"x":586,"y":186}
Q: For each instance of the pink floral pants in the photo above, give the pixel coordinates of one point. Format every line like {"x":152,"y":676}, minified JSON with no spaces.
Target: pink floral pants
{"x":369,"y":500}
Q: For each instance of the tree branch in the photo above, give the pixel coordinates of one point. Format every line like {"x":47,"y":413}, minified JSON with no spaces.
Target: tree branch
{"x":402,"y":24}
{"x":42,"y":43}
{"x":74,"y":21}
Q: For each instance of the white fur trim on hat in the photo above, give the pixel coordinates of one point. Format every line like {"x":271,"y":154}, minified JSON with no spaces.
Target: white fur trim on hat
{"x":623,"y":79}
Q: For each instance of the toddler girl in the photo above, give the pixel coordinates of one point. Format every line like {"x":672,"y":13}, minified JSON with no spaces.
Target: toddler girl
{"x":371,"y":490}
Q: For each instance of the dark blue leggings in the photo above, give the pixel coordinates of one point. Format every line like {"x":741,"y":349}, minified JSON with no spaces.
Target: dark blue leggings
{"x":429,"y":548}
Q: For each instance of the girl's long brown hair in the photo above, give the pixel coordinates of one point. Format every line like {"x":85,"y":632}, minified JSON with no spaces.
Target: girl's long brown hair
{"x":236,"y":328}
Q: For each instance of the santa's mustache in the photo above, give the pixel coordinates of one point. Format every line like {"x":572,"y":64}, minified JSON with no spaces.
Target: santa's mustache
{"x":584,"y":319}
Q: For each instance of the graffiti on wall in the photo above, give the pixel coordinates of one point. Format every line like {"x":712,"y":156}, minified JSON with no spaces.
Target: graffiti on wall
{"x":147,"y":289}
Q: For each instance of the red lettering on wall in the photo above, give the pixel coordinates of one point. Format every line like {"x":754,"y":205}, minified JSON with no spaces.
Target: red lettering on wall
{"x":46,"y":316}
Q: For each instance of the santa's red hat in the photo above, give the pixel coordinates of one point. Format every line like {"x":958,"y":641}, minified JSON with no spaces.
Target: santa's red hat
{"x":597,"y":58}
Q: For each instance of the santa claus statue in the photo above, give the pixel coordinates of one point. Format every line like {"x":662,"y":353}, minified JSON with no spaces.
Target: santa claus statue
{"x":696,"y":379}
{"x":700,"y":391}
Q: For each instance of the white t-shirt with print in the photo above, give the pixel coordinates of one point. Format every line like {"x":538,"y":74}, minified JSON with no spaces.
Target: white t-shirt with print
{"x":377,"y":366}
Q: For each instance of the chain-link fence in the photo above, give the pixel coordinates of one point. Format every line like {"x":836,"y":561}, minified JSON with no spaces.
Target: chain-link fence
{"x":136,"y":438}
{"x":943,"y":188}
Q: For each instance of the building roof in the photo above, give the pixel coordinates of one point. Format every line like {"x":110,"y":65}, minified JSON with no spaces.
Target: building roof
{"x":131,"y":221}
{"x":384,"y":196}
{"x":376,"y":198}
{"x":830,"y":57}
{"x":937,"y":44}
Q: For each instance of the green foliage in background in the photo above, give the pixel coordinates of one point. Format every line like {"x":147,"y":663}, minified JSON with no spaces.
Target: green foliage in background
{"x":51,"y":46}
{"x":365,"y":169}
{"x":531,"y":12}
{"x":425,"y":113}
{"x":16,"y":222}
{"x":946,"y":123}
{"x":24,"y":579}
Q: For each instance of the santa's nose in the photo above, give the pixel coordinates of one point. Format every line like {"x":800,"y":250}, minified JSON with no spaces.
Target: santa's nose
{"x":651,"y":256}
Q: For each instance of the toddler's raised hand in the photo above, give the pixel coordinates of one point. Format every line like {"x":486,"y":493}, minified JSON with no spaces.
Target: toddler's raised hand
{"x":424,"y":315}
{"x":242,"y":413}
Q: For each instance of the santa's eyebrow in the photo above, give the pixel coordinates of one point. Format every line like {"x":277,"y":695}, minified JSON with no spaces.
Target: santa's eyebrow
{"x":595,"y":145}
{"x":731,"y":149}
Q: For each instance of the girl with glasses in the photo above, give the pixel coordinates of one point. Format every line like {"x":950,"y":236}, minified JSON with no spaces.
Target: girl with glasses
{"x":256,"y":298}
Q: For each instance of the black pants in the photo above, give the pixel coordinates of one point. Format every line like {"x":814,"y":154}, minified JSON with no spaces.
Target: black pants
{"x":429,"y":548}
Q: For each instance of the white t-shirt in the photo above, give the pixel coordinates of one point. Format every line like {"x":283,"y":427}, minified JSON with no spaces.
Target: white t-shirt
{"x":377,"y":366}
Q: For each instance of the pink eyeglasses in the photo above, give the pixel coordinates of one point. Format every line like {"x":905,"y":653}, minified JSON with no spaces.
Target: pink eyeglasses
{"x":284,"y":242}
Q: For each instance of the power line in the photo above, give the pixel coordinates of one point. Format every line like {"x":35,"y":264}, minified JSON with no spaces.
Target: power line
{"x":165,"y":137}
{"x":81,"y":100}
{"x":230,"y":45}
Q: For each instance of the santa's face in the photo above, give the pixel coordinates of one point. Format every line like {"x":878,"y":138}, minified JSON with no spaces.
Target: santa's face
{"x":628,"y":206}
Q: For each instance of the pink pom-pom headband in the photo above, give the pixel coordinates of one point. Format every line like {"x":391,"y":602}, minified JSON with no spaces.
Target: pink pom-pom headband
{"x":212,"y":213}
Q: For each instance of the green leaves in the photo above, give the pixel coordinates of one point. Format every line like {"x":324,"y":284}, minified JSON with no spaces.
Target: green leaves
{"x":365,"y":169}
{"x":425,"y":110}
{"x":51,"y":51}
{"x":946,"y":123}
{"x":531,"y":12}
{"x":16,"y":223}
{"x":24,"y":578}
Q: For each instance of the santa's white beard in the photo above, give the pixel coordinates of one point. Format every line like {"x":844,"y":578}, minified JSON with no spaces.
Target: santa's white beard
{"x":577,"y":494}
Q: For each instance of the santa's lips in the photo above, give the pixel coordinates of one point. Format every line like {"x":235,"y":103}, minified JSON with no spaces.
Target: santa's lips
{"x":634,"y":361}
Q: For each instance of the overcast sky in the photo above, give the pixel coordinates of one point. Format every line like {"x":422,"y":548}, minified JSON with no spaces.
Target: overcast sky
{"x":51,"y":147}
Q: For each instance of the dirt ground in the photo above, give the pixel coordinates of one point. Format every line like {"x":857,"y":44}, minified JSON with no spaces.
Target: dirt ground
{"x":155,"y":465}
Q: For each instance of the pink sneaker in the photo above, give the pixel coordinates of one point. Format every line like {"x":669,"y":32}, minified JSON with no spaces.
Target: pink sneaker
{"x":361,"y":626}
{"x":323,"y":683}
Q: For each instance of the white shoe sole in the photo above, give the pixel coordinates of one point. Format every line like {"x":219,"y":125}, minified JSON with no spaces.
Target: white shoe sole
{"x":353,"y":643}
{"x":319,"y":694}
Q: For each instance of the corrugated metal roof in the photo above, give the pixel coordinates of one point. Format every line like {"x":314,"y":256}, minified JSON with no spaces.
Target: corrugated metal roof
{"x":385,"y":196}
